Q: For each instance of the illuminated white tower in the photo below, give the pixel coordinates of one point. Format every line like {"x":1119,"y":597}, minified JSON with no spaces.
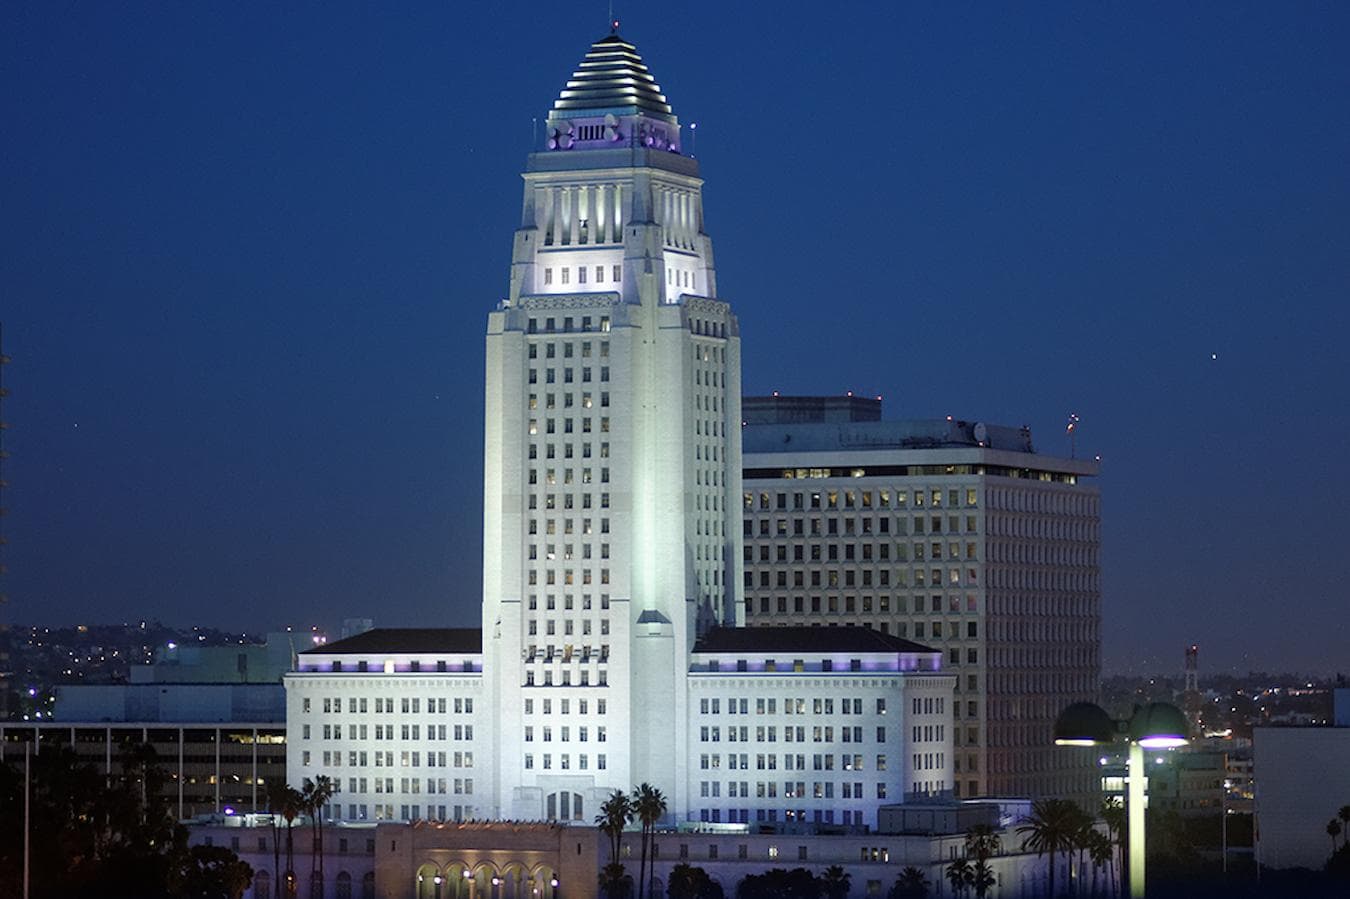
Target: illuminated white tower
{"x":612,"y":530}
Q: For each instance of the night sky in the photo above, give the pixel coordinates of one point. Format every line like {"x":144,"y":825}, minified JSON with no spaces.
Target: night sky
{"x":249,"y":251}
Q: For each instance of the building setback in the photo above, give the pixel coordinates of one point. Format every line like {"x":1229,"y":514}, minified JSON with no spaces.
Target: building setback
{"x":612,"y":547}
{"x":953,"y":533}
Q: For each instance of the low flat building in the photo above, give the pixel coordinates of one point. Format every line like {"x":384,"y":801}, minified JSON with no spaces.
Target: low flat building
{"x":523,"y":861}
{"x":209,"y":767}
{"x":783,"y":410}
{"x":1302,"y":781}
{"x":537,"y":860}
{"x":348,"y":856}
{"x":1190,"y":782}
{"x":191,"y":685}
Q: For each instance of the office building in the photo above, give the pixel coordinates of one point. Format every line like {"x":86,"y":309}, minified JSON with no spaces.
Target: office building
{"x":209,"y":767}
{"x":1302,"y":782}
{"x":951,"y":533}
{"x":214,"y":716}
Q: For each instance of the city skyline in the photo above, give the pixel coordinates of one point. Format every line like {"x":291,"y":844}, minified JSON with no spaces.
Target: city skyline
{"x":250,"y":261}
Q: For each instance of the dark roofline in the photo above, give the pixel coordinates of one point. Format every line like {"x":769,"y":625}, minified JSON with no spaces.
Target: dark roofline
{"x":406,"y":640}
{"x":805,"y":639}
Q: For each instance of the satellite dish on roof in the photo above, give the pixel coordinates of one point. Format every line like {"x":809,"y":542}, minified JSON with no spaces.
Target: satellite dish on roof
{"x":981,"y":433}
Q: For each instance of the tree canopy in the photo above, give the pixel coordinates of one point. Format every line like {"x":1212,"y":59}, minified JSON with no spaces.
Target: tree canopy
{"x":107,"y":836}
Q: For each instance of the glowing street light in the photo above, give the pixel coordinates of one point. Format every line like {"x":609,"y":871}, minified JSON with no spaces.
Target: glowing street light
{"x":1158,"y":725}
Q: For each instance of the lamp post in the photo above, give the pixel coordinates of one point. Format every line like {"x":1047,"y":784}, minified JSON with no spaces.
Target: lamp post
{"x":1158,"y":725}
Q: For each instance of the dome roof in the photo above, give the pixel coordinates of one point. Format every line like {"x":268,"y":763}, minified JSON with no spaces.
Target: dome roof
{"x":612,"y":76}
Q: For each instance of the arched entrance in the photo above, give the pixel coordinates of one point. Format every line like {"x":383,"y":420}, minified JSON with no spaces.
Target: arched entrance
{"x":429,"y":883}
{"x":544,"y":882}
{"x":458,"y":877}
{"x":515,"y":882}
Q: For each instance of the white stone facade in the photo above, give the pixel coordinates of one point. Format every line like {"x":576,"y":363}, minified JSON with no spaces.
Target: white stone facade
{"x":612,"y":460}
{"x":612,"y":539}
{"x":403,"y":735}
{"x":802,"y":744}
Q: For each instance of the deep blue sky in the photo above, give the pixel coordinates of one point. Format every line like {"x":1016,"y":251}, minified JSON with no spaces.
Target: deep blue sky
{"x":249,"y":249}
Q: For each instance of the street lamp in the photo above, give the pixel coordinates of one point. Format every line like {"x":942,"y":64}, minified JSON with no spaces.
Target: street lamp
{"x":1158,"y":725}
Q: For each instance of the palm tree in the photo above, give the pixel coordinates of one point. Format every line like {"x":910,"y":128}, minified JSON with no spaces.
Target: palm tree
{"x":959,"y":875}
{"x":1333,"y":831}
{"x":649,"y":805}
{"x":1050,"y":828}
{"x":982,"y":877}
{"x":982,"y":842}
{"x":1344,"y":815}
{"x":1101,"y":851}
{"x":314,"y":796}
{"x":615,"y":813}
{"x":911,"y":884}
{"x":292,"y":804}
{"x":835,"y":882}
{"x":275,"y":794}
{"x":1113,"y":815}
{"x":1082,"y":839}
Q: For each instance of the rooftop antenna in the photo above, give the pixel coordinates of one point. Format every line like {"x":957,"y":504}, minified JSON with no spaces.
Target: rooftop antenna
{"x":613,"y":22}
{"x":1072,"y":429}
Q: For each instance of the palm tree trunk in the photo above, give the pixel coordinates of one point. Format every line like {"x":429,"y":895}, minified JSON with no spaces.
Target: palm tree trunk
{"x":642,"y":863}
{"x":319,"y":823}
{"x":290,"y":860}
{"x":276,"y":858}
{"x":1052,"y":874}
